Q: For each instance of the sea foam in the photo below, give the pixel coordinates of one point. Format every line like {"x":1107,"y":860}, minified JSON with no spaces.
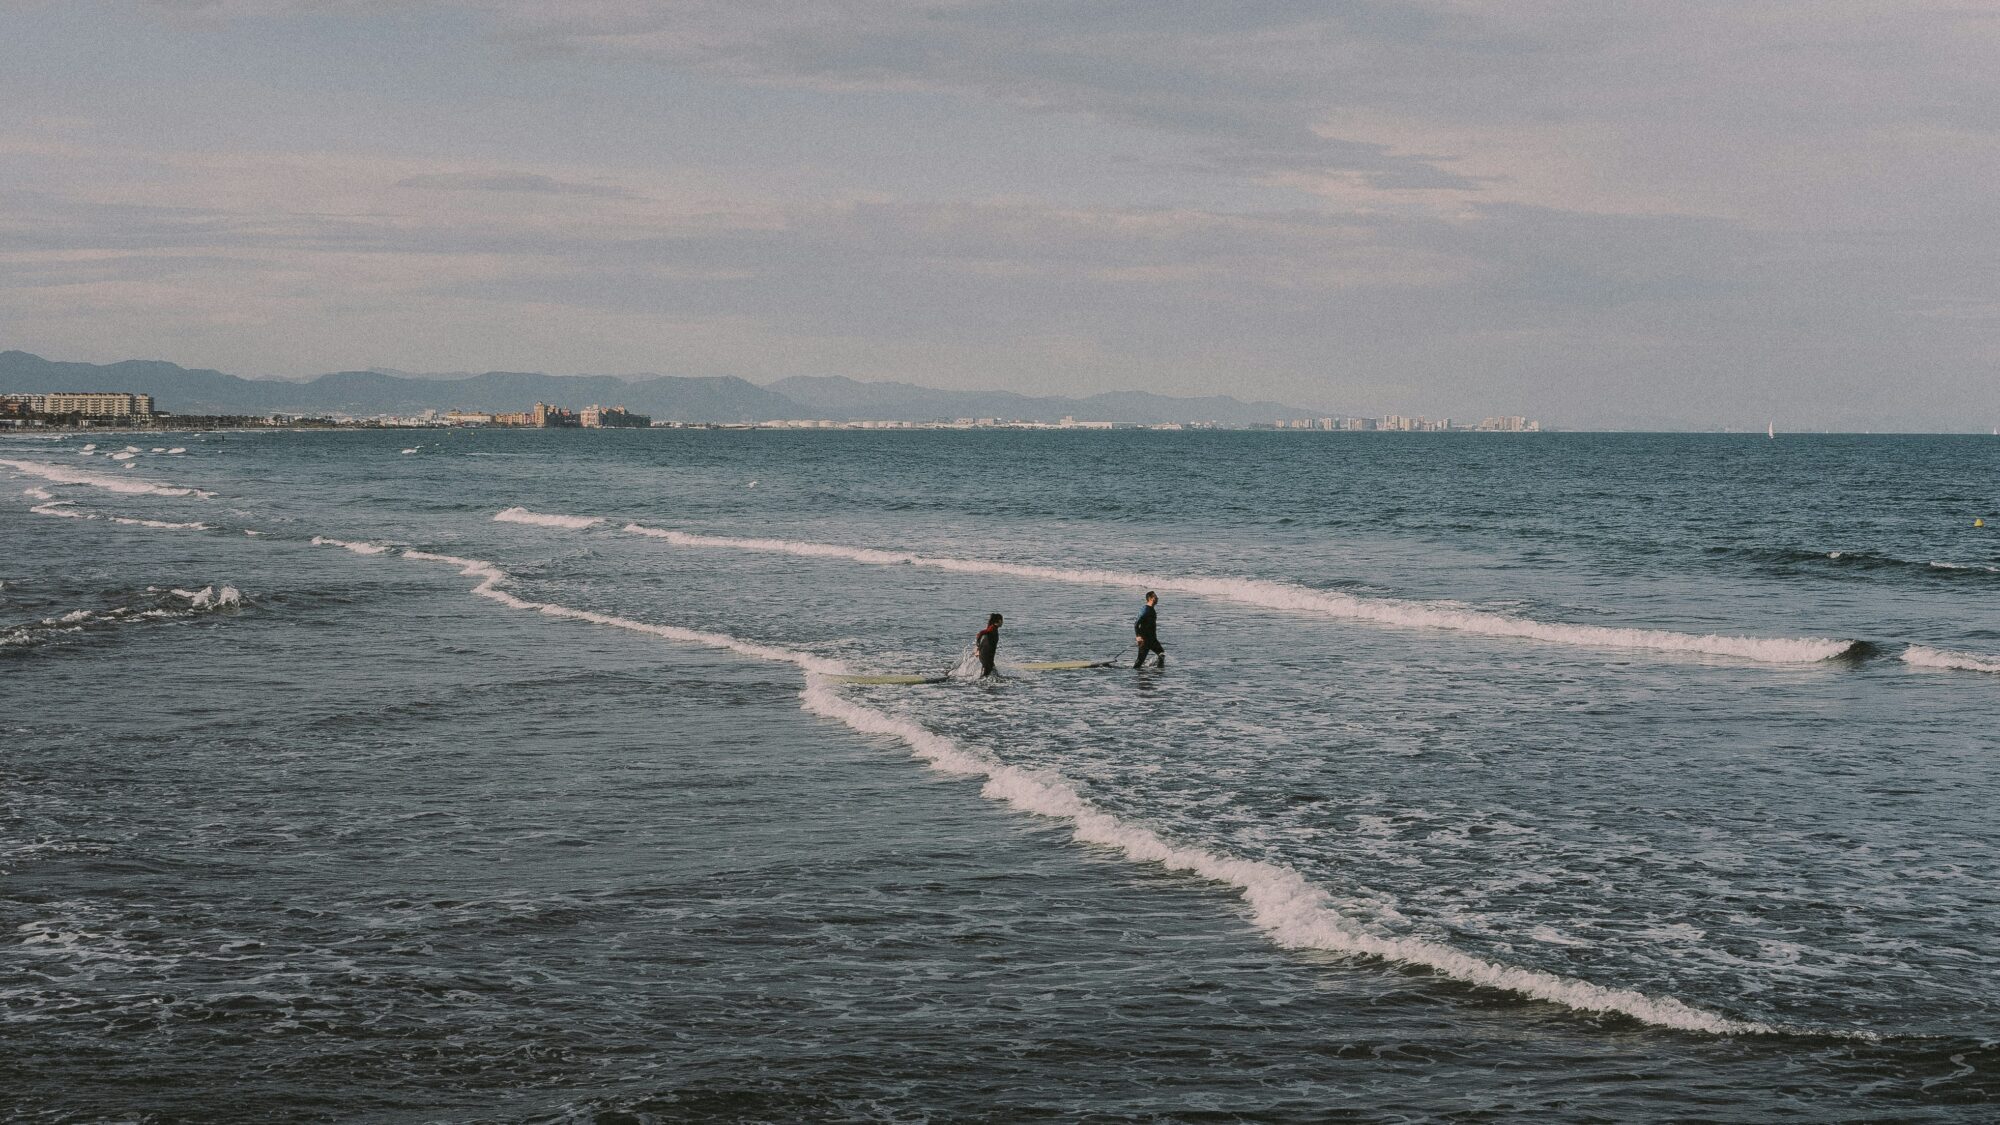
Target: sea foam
{"x":67,"y":510}
{"x":541,"y":519}
{"x":1284,"y":904}
{"x":1925,"y":657}
{"x":346,"y":545}
{"x":62,"y":475}
{"x":209,"y":597}
{"x":163,"y":525}
{"x":1290,"y":597}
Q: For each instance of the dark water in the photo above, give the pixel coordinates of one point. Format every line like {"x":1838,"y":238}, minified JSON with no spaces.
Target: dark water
{"x":1561,"y":777}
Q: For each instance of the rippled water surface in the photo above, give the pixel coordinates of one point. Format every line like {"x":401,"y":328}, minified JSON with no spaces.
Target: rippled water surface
{"x":482,"y":775}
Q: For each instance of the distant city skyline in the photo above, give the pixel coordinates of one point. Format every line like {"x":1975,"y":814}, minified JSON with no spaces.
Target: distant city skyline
{"x":130,"y":389}
{"x":1680,"y":215}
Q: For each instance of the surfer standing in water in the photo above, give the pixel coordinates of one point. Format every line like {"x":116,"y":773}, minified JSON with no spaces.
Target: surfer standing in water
{"x":986,"y":644}
{"x":1146,"y":631}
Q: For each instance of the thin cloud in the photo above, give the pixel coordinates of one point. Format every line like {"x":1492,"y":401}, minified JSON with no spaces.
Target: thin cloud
{"x":520,"y":182}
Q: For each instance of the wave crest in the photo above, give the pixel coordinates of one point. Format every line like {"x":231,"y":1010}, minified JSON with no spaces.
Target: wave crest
{"x":348,"y":545}
{"x":127,"y":485}
{"x":193,"y":603}
{"x":542,"y":519}
{"x":1268,"y":594}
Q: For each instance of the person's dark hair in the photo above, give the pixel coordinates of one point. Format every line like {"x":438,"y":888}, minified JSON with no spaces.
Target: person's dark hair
{"x":993,"y":619}
{"x":1151,"y":596}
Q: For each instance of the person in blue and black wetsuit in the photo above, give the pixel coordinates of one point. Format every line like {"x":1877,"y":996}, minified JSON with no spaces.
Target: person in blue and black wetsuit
{"x":1146,"y":631}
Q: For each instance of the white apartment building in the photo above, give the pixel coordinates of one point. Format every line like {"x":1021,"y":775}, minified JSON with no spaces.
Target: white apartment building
{"x":90,"y":404}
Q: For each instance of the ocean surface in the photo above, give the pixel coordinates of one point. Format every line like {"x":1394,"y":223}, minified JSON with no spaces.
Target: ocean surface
{"x":479,"y":775}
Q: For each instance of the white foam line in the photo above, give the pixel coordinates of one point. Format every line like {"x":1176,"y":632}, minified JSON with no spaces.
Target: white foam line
{"x":1924,"y":656}
{"x":62,"y":475}
{"x":38,"y":493}
{"x":161,"y":524}
{"x":65,"y":509}
{"x":1287,"y":596}
{"x":539,"y":519}
{"x":357,"y":548}
{"x":1964,"y":566}
{"x":491,"y":577}
{"x":1283,"y":903}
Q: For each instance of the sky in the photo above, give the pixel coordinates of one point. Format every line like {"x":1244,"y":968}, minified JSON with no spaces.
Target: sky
{"x":1676,"y":213}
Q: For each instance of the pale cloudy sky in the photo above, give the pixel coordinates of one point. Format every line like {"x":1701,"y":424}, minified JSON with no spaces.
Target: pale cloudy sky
{"x":1604,"y":213}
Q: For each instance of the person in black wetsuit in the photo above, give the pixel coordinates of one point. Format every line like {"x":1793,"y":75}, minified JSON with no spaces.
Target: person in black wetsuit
{"x":986,"y":644}
{"x":1146,"y":631}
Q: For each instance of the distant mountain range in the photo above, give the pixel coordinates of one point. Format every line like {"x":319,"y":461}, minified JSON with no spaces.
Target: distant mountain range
{"x":181,"y":390}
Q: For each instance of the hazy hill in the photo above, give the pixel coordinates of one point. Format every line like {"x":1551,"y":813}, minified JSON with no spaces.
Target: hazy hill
{"x":842,"y":398}
{"x":172,"y":386}
{"x":182,"y":390}
{"x":362,"y":393}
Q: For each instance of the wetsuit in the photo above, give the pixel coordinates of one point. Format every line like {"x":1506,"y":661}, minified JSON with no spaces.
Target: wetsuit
{"x":987,"y":643}
{"x":1147,"y":627}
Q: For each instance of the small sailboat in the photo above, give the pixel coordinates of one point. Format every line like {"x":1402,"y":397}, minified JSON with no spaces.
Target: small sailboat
{"x":1771,"y":430}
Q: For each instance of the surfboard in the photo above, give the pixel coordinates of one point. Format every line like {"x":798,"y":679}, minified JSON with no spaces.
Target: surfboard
{"x":888,"y":679}
{"x":1062,"y":665}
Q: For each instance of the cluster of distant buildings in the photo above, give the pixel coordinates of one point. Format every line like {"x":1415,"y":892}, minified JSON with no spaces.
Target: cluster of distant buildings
{"x":547,"y":417}
{"x":117,"y":408}
{"x":1397,"y":423}
{"x":1067,"y":423}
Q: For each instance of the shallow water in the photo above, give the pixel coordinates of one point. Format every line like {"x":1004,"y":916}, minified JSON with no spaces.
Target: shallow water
{"x":1568,"y":776}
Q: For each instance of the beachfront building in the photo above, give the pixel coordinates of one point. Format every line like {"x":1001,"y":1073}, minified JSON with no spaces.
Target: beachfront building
{"x":542,"y":417}
{"x":93,"y":405}
{"x":613,"y":417}
{"x":552,"y":417}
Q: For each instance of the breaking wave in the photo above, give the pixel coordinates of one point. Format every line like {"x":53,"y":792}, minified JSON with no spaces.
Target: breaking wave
{"x":67,"y":510}
{"x":176,"y":604}
{"x":346,"y":545}
{"x":1292,"y":911}
{"x":164,"y":525}
{"x":1925,"y":657}
{"x":539,"y":519}
{"x":1302,"y":599}
{"x":62,"y":475}
{"x":208,"y":597}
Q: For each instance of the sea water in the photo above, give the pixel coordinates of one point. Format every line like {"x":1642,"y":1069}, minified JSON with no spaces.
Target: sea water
{"x":505,"y":775}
